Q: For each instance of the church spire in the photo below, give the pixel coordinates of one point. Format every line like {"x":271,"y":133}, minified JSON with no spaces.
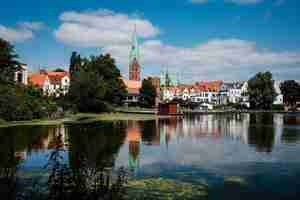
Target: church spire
{"x":134,"y":57}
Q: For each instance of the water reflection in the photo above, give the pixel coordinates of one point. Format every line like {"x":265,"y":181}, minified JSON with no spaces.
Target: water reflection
{"x":204,"y":140}
{"x":212,"y":146}
{"x":78,"y":161}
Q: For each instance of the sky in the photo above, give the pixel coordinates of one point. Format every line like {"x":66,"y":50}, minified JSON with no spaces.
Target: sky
{"x":193,"y":39}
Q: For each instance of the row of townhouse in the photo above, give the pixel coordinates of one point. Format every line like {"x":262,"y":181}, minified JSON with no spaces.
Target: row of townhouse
{"x":233,"y":92}
{"x":52,"y":83}
{"x":222,"y":93}
{"x":198,"y":93}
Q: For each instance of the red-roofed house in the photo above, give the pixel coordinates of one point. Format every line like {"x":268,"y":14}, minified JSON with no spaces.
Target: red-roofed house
{"x":133,"y":89}
{"x":52,"y":83}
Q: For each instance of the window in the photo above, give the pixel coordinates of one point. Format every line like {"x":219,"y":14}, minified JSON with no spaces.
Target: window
{"x":19,"y":77}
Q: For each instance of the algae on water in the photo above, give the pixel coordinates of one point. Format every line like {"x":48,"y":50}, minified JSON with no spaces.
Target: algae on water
{"x":161,"y":188}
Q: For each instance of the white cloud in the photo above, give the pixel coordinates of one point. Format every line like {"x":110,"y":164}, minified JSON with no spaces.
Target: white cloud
{"x":101,"y":28}
{"x":226,"y":59}
{"x":24,"y":31}
{"x":216,"y":59}
{"x":15,"y":34}
{"x":32,"y":25}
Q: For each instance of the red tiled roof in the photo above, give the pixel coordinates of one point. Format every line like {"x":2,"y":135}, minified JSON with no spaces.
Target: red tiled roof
{"x":133,"y":87}
{"x":209,"y":85}
{"x":38,"y":79}
{"x":57,"y":73}
{"x":55,"y":80}
{"x":54,"y":77}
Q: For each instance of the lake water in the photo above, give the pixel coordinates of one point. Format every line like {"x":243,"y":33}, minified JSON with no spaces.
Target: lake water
{"x":240,"y":156}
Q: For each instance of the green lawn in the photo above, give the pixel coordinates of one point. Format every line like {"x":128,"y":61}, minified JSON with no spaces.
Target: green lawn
{"x":82,"y":118}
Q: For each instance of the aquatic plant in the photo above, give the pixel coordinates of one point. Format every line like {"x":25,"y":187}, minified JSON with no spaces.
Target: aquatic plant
{"x":85,"y":182}
{"x":161,"y":188}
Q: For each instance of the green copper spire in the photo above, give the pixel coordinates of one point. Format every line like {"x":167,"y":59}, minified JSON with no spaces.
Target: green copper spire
{"x":134,"y":51}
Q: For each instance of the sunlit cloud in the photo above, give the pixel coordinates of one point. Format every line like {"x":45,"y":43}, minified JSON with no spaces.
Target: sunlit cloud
{"x":23,"y":31}
{"x":101,"y":28}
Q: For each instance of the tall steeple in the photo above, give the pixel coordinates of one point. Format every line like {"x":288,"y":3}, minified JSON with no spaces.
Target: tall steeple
{"x":134,"y":66}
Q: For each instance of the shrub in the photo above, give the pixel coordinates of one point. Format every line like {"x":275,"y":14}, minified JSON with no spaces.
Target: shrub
{"x":24,"y":103}
{"x":278,"y":107}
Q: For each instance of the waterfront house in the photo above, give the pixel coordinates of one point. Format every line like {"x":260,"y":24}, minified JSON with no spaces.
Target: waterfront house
{"x":52,"y":83}
{"x":279,"y":97}
{"x":21,"y":76}
{"x":133,"y":88}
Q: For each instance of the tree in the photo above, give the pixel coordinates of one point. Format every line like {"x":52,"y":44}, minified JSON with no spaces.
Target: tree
{"x":75,"y":64}
{"x":147,"y":94}
{"x":89,"y":91}
{"x":105,"y":66}
{"x":8,"y":63}
{"x":261,"y":91}
{"x":95,"y":83}
{"x":290,"y":90}
{"x":59,"y":70}
{"x":17,"y":101}
{"x":20,"y":102}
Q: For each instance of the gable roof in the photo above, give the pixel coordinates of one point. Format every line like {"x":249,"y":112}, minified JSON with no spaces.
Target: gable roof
{"x":38,"y":79}
{"x":133,"y":87}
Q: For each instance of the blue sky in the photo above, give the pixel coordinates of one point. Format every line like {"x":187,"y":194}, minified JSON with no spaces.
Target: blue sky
{"x":197,"y":39}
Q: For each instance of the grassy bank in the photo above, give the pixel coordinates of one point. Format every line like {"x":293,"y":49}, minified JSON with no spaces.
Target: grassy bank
{"x":35,"y":122}
{"x":82,"y":118}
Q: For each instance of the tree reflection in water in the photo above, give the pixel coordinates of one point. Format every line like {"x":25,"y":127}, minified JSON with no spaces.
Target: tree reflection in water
{"x":87,"y":174}
{"x":82,"y":159}
{"x":262,"y":132}
{"x":8,"y":176}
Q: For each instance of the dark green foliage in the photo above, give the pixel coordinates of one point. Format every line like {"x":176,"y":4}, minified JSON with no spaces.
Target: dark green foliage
{"x":19,"y":102}
{"x":88,"y":91}
{"x":261,"y":91}
{"x":147,"y":94}
{"x":278,"y":107}
{"x":75,"y":64}
{"x":290,"y":90}
{"x":8,"y":63}
{"x":95,"y":83}
{"x":59,"y":70}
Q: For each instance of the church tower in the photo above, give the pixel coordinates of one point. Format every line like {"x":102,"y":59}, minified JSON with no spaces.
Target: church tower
{"x":134,"y":66}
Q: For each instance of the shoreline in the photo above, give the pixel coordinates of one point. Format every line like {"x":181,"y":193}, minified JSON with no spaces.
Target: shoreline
{"x":239,"y":112}
{"x":85,"y":118}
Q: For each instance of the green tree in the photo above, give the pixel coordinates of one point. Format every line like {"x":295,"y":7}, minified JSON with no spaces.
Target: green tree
{"x":17,"y":101}
{"x":105,"y":66}
{"x":8,"y":62}
{"x":59,"y":70}
{"x":88,"y":92}
{"x":290,"y":90}
{"x":261,"y":91}
{"x":20,"y":102}
{"x":96,"y":84}
{"x":147,"y":94}
{"x":75,"y":64}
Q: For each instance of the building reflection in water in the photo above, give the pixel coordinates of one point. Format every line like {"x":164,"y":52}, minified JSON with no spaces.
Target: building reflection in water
{"x":23,"y":141}
{"x":259,"y":131}
{"x":134,"y":140}
{"x":16,"y":146}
